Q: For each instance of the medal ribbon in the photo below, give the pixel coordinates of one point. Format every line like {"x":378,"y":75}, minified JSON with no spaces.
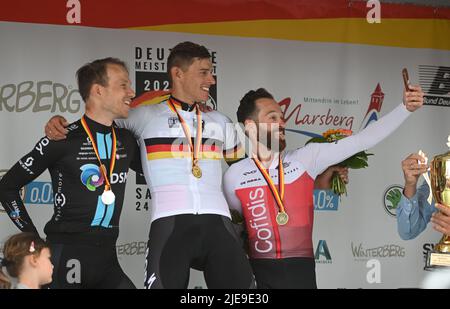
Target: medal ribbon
{"x":113,"y":153}
{"x":277,"y":194}
{"x":194,"y":151}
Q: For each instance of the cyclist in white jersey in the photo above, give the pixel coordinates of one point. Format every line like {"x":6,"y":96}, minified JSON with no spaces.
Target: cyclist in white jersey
{"x":277,"y":203}
{"x":183,"y":148}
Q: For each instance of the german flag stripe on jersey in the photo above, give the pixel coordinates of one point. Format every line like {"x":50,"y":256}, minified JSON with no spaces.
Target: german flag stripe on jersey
{"x":235,"y":154}
{"x":150,"y":98}
{"x":165,"y":148}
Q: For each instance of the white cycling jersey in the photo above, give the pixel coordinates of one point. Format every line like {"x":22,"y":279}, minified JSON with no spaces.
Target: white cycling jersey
{"x":167,"y":163}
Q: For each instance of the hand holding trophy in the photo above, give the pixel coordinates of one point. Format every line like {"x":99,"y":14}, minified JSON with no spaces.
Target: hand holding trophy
{"x":440,"y":188}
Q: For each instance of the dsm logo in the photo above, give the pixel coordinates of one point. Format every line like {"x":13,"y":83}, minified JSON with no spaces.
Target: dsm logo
{"x":391,"y":198}
{"x":91,"y":177}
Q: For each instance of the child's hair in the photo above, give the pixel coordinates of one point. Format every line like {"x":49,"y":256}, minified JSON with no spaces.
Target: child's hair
{"x":16,"y":248}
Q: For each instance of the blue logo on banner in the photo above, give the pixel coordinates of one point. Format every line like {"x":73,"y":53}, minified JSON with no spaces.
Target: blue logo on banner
{"x":325,"y":200}
{"x":39,"y":193}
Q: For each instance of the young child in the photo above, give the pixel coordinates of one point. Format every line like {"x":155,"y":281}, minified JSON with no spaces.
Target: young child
{"x":26,"y":257}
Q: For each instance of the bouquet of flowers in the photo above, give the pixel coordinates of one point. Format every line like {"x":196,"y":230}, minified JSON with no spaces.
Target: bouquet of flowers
{"x":358,"y":160}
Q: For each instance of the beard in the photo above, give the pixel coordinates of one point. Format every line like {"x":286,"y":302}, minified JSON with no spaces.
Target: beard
{"x":271,"y":139}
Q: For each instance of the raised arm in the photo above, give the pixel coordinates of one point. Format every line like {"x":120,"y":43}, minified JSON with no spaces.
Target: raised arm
{"x":367,"y":138}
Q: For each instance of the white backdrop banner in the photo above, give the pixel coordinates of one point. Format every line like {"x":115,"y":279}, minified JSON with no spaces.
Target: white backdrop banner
{"x":320,"y":86}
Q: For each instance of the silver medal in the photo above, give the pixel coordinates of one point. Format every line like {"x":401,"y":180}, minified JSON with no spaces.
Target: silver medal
{"x":108,"y":197}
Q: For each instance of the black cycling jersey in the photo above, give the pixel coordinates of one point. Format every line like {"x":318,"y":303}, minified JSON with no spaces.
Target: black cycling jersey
{"x":76,"y":181}
{"x":82,"y":229}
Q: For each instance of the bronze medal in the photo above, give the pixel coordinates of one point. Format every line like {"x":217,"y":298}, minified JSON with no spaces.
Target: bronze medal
{"x":282,"y":218}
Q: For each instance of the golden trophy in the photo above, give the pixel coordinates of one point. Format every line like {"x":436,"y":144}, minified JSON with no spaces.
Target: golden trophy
{"x":440,"y":188}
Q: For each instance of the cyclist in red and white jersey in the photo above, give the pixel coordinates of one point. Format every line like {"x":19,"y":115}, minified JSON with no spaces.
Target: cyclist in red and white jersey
{"x":277,"y":203}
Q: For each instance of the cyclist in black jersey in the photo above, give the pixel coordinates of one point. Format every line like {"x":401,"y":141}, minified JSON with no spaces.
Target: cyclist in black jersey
{"x":88,"y":171}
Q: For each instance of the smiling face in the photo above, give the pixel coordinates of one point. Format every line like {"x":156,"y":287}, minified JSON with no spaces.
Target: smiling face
{"x":191,"y":84}
{"x":117,"y":94}
{"x":270,"y":124}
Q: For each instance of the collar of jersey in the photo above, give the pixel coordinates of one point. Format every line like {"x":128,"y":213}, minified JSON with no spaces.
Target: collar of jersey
{"x":274,"y":163}
{"x":182,"y":105}
{"x":94,"y":126}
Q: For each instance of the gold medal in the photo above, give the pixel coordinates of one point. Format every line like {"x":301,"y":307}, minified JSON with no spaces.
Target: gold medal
{"x":197,"y":171}
{"x":195,"y":150}
{"x":282,"y":218}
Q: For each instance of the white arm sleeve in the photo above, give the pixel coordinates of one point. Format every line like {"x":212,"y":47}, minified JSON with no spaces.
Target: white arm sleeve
{"x":228,"y":189}
{"x":137,"y":120}
{"x":317,"y":157}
